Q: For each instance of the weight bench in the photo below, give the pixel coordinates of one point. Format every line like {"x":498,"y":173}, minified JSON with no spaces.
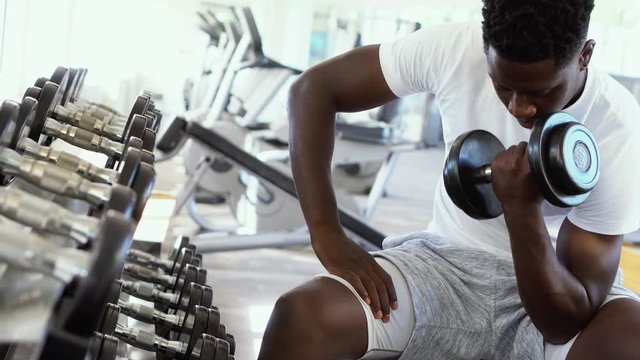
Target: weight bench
{"x":364,"y":234}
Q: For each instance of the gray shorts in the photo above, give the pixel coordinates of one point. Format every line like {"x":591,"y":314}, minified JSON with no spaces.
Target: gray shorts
{"x":456,"y":303}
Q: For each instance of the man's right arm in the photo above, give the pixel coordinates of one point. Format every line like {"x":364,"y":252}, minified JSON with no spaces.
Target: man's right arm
{"x":348,"y":83}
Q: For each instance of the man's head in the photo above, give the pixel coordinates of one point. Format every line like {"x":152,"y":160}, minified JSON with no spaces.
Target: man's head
{"x":537,"y":53}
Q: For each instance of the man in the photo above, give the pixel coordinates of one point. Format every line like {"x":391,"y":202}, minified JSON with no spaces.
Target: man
{"x":469,"y":289}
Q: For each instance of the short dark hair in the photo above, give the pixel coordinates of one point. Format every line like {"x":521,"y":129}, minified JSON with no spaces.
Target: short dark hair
{"x":534,"y":30}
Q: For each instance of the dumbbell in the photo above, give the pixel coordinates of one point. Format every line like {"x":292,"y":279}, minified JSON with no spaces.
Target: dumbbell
{"x":68,"y":113}
{"x":57,"y":180}
{"x":167,"y":266}
{"x":88,"y":276}
{"x":180,"y":300}
{"x":167,"y":281}
{"x":49,"y":96}
{"x":205,"y":347}
{"x":186,"y":321}
{"x":563,"y":157}
{"x":134,"y":172}
{"x":67,"y":78}
{"x":104,"y":347}
{"x":197,"y":319}
{"x":148,"y":260}
{"x":30,"y":148}
{"x":177,"y":323}
{"x":43,"y":124}
{"x":48,"y":217}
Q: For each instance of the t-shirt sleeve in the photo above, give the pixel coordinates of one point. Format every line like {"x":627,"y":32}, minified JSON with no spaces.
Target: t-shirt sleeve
{"x":613,"y":207}
{"x":416,"y":62}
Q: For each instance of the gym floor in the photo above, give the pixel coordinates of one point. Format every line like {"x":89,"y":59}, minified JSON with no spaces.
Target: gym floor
{"x":247,"y":283}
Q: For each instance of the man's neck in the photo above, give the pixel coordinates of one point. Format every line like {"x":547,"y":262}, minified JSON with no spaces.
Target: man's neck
{"x":582,"y":83}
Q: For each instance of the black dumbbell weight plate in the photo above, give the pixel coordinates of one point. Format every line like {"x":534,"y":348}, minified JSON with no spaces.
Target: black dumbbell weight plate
{"x":470,"y":152}
{"x":143,"y":185}
{"x":50,"y":97}
{"x":207,"y":296}
{"x":540,"y":163}
{"x":26,"y":115}
{"x":131,"y":164}
{"x":92,"y":293}
{"x":60,"y":76}
{"x":122,"y":200}
{"x":136,"y":128}
{"x":9,"y":113}
{"x":40,"y":82}
{"x":574,"y":159}
{"x":139,"y":108}
{"x":21,"y":128}
{"x":73,"y":82}
{"x":109,"y":348}
{"x":149,"y":140}
{"x":109,"y":319}
{"x":232,"y":343}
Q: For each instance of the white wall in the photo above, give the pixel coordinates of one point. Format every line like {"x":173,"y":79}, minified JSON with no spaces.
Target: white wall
{"x":128,"y":45}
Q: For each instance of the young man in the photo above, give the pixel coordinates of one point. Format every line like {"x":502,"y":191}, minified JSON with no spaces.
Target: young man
{"x":466,"y":289}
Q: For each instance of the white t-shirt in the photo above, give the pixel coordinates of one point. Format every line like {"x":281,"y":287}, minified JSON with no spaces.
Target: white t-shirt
{"x":449,"y":61}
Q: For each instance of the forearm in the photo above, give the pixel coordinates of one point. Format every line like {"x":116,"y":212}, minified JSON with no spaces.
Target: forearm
{"x":311,"y":126}
{"x":554,"y":298}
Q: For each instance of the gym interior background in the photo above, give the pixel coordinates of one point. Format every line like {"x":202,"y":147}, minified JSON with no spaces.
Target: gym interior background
{"x":253,"y":242}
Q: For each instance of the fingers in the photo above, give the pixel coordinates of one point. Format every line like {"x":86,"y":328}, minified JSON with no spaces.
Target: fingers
{"x":377,"y":290}
{"x":370,"y":285}
{"x":357,"y":284}
{"x":389,"y":293}
{"x":521,"y":149}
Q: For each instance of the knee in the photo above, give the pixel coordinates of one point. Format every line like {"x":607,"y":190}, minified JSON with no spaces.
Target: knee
{"x":303,"y":315}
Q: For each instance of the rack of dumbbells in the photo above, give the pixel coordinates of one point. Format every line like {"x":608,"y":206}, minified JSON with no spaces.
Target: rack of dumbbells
{"x":75,"y":177}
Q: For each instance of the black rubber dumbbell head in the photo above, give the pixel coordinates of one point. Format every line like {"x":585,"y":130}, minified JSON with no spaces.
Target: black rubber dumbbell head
{"x":142,"y":186}
{"x":470,"y":152}
{"x":94,"y":289}
{"x":50,"y":97}
{"x":564,"y":159}
{"x":131,"y":165}
{"x":28,"y":108}
{"x":122,"y":199}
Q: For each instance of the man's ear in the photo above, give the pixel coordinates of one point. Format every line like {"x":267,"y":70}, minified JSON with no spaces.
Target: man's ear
{"x":586,"y":53}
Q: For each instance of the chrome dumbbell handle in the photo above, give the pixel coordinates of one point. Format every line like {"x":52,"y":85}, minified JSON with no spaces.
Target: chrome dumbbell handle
{"x":84,"y":120}
{"x":146,"y":259}
{"x":146,"y":340}
{"x":53,"y":178}
{"x":148,"y":292}
{"x":149,"y":275}
{"x":46,"y":216}
{"x":67,"y":161}
{"x":149,"y":315}
{"x":83,"y":138}
{"x":28,"y":251}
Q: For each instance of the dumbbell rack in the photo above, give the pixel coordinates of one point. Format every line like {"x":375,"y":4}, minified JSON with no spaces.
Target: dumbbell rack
{"x":27,"y":319}
{"x":24,"y":320}
{"x":74,"y":304}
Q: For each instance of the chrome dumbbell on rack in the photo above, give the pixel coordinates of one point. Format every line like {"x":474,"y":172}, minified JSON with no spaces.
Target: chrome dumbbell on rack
{"x":88,"y":255}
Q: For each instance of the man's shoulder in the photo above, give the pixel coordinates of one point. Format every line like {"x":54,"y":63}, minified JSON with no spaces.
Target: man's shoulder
{"x":454,"y":33}
{"x":617,"y":101}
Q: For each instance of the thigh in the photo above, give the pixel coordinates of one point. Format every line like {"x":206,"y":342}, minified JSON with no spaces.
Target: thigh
{"x":612,"y":334}
{"x":334,"y":312}
{"x":386,"y":340}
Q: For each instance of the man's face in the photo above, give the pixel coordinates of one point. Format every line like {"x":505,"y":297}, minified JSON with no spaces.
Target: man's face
{"x":530,"y":91}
